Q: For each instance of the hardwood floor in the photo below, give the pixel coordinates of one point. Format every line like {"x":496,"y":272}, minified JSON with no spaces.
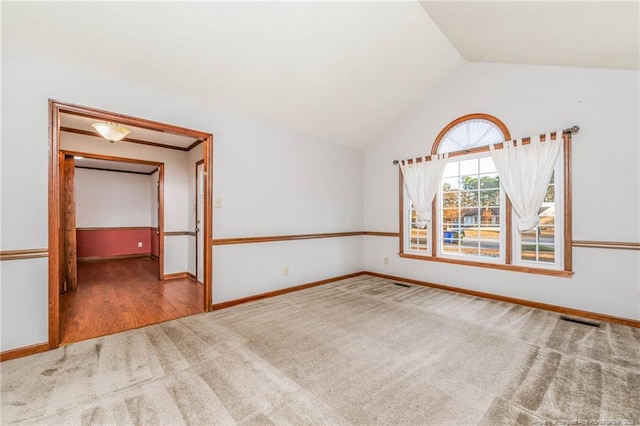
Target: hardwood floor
{"x":121,"y":294}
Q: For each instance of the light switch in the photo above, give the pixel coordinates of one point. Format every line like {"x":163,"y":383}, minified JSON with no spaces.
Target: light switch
{"x":217,"y":203}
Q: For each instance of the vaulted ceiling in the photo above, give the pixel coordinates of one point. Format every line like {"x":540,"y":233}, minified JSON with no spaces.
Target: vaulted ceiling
{"x":599,"y":34}
{"x":338,"y":71}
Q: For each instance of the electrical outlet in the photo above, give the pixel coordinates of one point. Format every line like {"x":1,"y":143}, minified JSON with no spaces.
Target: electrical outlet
{"x":139,"y":243}
{"x":285,"y":271}
{"x":217,"y":203}
{"x":386,"y":261}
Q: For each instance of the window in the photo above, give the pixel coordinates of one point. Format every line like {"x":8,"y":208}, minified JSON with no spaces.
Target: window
{"x":473,"y":221}
{"x":543,"y":244}
{"x":469,"y":207}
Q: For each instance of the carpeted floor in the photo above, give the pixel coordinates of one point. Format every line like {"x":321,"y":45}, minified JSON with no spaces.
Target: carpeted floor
{"x":360,"y":351}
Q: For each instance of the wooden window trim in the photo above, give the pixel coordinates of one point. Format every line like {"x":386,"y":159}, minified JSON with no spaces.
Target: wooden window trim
{"x":468,"y":117}
{"x":568,"y":204}
{"x":500,"y":266}
{"x":508,"y":265}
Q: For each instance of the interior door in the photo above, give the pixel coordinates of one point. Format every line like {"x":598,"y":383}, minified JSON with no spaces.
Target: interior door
{"x":200,"y":223}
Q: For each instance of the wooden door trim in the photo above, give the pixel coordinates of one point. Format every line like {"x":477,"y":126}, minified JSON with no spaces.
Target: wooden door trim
{"x":54,"y":225}
{"x":132,"y":140}
{"x":208,"y":222}
{"x":101,"y":114}
{"x":55,"y":109}
{"x":95,"y":156}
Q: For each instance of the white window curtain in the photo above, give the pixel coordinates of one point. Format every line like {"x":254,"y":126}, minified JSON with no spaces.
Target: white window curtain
{"x":525,"y":172}
{"x":422,"y":181}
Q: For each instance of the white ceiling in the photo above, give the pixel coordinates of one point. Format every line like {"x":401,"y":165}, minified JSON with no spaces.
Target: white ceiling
{"x":342,"y":72}
{"x":600,"y":34}
{"x":164,"y":138}
{"x":338,"y":71}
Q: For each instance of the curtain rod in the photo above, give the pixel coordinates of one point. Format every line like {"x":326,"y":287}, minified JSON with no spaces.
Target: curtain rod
{"x":571,"y":130}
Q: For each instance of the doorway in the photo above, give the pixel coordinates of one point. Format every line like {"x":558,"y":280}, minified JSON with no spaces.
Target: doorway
{"x":56,"y":216}
{"x":69,"y":232}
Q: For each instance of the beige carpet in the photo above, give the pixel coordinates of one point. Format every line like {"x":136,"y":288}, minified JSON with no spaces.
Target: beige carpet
{"x":360,"y":351}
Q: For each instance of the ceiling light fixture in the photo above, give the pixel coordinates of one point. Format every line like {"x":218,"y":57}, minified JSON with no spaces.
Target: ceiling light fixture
{"x":111,"y":131}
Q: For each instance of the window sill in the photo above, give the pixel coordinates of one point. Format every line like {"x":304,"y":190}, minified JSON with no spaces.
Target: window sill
{"x":512,"y":268}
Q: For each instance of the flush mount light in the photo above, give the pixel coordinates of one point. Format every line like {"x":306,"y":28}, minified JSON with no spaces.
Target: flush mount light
{"x":111,"y":131}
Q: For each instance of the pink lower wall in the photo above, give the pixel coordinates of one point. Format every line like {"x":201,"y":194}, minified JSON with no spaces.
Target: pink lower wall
{"x":108,"y":242}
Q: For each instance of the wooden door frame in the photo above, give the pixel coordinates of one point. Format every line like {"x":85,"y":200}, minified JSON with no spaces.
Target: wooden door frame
{"x":54,"y":203}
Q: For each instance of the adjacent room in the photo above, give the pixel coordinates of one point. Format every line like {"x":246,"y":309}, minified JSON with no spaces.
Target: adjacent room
{"x":320,"y":213}
{"x":118,"y":275}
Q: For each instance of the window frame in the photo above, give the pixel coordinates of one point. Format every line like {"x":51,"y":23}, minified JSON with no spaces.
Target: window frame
{"x":509,"y":262}
{"x":439,"y":226}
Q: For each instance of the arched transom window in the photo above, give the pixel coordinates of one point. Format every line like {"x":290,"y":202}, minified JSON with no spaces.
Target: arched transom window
{"x":469,"y":132}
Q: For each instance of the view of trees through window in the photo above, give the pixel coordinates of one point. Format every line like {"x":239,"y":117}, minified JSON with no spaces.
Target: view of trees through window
{"x":471,"y":208}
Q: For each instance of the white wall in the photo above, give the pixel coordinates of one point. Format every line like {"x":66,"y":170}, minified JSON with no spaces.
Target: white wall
{"x":261,"y":265}
{"x":278,"y":187}
{"x":272,"y":181}
{"x":606,"y":182}
{"x":24,"y":300}
{"x":112,"y":199}
{"x":176,"y":254}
